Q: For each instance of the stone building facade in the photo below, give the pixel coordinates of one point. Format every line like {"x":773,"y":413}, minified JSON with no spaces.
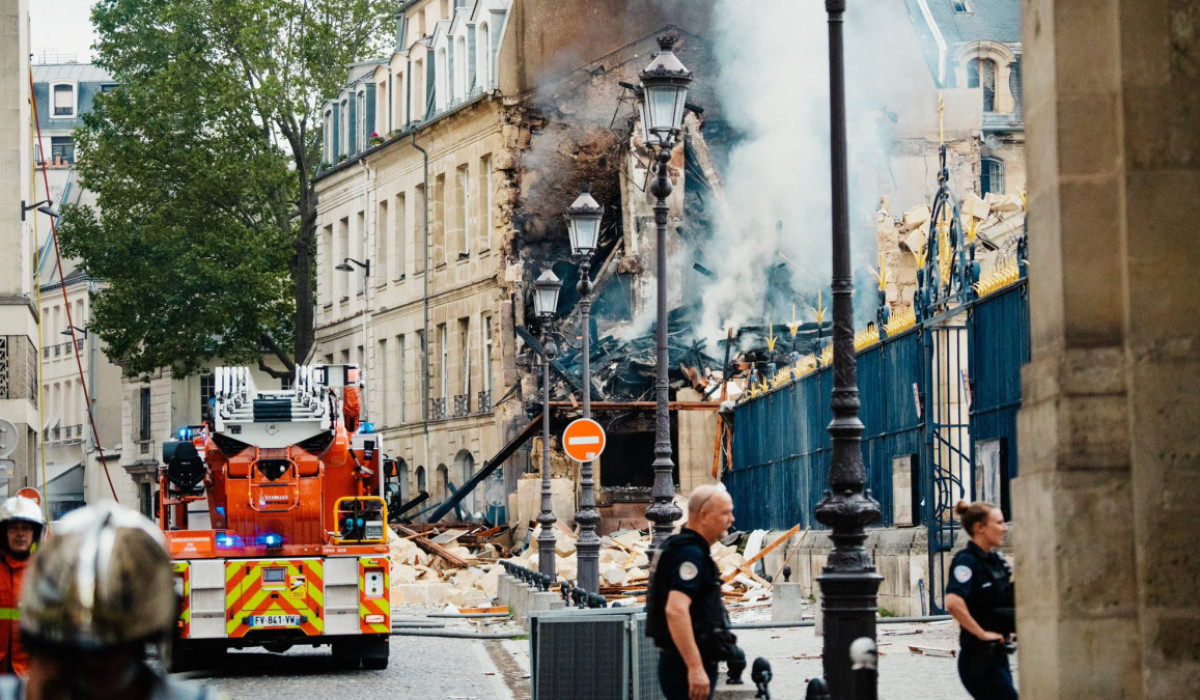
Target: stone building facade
{"x":18,"y":312}
{"x":449,"y":165}
{"x":1110,"y":428}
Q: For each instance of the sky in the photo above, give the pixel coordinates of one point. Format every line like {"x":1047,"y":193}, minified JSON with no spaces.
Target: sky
{"x":61,"y":27}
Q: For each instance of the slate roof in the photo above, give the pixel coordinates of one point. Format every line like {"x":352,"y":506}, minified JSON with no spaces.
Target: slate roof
{"x":997,"y":20}
{"x":79,"y":72}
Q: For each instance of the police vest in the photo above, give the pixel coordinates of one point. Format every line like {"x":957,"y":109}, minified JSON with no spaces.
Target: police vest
{"x":992,"y":606}
{"x":707,"y":609}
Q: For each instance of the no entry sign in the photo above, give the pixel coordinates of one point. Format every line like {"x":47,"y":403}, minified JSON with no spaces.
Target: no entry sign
{"x":583,"y":440}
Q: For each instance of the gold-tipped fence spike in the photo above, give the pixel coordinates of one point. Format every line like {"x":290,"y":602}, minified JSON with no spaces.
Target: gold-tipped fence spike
{"x":819,"y":310}
{"x":901,"y":322}
{"x":866,"y":338}
{"x":998,"y":278}
{"x":919,"y":256}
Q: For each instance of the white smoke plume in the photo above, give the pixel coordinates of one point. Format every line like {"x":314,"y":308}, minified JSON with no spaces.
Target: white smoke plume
{"x":774,"y":90}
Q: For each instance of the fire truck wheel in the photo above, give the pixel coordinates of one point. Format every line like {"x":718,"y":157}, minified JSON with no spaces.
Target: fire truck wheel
{"x":375,"y":664}
{"x":345,"y":656}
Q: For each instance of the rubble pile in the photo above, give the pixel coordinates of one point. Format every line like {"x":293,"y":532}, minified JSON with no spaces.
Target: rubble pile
{"x":436,"y":571}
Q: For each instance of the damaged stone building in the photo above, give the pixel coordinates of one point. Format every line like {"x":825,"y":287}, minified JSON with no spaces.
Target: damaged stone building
{"x":448,"y":167}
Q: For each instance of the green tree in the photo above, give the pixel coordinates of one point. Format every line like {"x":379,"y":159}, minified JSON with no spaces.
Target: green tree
{"x":202,"y":161}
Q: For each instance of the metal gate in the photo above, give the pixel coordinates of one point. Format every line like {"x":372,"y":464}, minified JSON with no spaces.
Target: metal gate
{"x":975,"y":345}
{"x":948,"y":444}
{"x":940,"y":390}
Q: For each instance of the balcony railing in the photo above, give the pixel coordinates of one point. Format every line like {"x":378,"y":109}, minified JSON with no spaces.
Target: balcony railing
{"x":437,"y":409}
{"x":462,"y":405}
{"x":485,"y":402}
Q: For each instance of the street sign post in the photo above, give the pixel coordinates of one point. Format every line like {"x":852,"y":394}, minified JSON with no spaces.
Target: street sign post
{"x":583,"y":440}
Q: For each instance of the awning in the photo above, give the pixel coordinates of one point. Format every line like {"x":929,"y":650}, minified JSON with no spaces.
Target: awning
{"x":64,"y":482}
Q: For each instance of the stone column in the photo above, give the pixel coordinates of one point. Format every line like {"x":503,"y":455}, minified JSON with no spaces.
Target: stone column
{"x":1108,"y":491}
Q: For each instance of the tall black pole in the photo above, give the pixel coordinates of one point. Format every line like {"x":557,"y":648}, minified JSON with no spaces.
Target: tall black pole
{"x":663,"y":512}
{"x":848,"y":581}
{"x":546,"y":519}
{"x":587,"y":547}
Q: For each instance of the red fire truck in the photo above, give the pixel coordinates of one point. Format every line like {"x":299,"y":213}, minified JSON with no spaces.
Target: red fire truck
{"x":274,"y":515}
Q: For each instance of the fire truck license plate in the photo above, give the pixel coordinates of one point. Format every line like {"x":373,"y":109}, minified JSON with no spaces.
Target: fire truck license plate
{"x":275,"y":620}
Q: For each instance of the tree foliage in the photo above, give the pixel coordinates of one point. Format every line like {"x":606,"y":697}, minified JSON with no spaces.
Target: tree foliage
{"x":201,"y":161}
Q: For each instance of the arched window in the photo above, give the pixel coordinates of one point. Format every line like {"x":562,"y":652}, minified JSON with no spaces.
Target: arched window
{"x":402,"y":480}
{"x":485,"y":58}
{"x":464,"y":469}
{"x":329,"y":156}
{"x":440,"y":485}
{"x":460,"y":68}
{"x":421,"y":486}
{"x":991,"y":176}
{"x":982,"y":73}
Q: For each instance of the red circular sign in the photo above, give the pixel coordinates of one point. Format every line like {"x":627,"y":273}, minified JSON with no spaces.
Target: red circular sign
{"x":32,"y":494}
{"x":583,"y":440}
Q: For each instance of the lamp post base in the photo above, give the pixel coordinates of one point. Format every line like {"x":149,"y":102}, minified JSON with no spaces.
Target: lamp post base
{"x":848,"y":608}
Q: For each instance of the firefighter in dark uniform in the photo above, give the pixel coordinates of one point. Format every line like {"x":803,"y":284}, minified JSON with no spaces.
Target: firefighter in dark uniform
{"x":980,"y":597}
{"x":685,"y":614}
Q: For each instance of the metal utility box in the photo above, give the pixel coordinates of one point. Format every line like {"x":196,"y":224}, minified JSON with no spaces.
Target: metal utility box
{"x":592,"y":655}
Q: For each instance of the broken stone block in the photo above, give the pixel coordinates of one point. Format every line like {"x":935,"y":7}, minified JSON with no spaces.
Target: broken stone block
{"x":403,"y":573}
{"x":915,"y":241}
{"x":916,"y":216}
{"x":423,"y":594}
{"x":467,"y":598}
{"x":615,"y":576}
{"x":973,"y":206}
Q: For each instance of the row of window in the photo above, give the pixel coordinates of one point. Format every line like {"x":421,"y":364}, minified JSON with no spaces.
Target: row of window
{"x":55,"y":322}
{"x":439,"y":63}
{"x":414,"y":480}
{"x":460,"y":222}
{"x":64,"y":405}
{"x":460,"y":373}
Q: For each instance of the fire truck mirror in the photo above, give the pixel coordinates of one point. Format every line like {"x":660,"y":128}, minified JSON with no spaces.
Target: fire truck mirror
{"x":389,"y":468}
{"x":185,"y":469}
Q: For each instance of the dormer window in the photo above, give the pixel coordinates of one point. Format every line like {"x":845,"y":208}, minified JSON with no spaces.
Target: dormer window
{"x":62,"y":100}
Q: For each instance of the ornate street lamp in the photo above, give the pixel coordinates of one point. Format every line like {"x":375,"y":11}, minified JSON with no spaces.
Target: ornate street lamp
{"x":848,"y":582}
{"x":366,"y":268}
{"x":664,"y":92}
{"x":545,"y":303}
{"x":583,"y":223}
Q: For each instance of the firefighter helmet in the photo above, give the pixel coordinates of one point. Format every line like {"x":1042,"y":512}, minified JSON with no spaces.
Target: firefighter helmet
{"x":104,"y":580}
{"x":20,"y":508}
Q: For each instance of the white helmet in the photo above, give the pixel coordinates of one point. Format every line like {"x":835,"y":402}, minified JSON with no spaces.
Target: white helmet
{"x":25,"y":510}
{"x":103,"y":580}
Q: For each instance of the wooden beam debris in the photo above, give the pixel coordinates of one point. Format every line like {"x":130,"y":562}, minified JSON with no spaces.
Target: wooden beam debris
{"x":430,"y":546}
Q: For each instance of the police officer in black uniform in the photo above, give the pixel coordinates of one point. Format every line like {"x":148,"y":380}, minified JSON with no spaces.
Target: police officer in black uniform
{"x":980,"y":597}
{"x":685,"y":614}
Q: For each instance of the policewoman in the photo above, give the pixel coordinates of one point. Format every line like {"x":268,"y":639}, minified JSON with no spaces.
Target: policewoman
{"x":685,"y":614}
{"x":980,"y":597}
